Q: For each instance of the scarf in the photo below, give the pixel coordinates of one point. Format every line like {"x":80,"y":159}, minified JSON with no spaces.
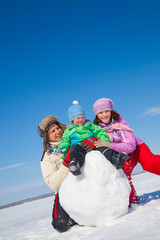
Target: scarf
{"x":54,"y":150}
{"x":114,"y":126}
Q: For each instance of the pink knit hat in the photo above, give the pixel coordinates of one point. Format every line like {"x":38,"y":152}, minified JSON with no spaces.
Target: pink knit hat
{"x":102,"y":104}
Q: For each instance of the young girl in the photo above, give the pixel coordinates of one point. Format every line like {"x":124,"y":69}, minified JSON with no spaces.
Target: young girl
{"x":80,"y":130}
{"x":123,"y":140}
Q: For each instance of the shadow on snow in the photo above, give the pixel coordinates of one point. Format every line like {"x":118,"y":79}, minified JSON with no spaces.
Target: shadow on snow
{"x":147,"y":197}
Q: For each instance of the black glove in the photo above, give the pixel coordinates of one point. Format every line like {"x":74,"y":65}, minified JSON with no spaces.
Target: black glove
{"x":118,"y":159}
{"x":86,"y":147}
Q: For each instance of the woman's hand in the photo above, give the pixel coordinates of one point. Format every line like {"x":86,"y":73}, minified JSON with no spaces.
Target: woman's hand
{"x":101,"y":143}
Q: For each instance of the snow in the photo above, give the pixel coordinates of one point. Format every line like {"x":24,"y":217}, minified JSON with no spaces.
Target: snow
{"x":91,"y":198}
{"x":32,"y":220}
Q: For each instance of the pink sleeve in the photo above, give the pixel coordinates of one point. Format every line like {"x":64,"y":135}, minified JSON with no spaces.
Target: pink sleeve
{"x":127,"y":142}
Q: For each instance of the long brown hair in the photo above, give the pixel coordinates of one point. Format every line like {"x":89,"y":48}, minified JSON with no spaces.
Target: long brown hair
{"x":114,"y":115}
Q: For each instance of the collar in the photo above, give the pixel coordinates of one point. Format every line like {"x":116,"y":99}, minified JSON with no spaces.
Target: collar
{"x":107,"y":124}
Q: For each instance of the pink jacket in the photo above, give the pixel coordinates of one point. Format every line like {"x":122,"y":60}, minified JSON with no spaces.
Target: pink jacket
{"x":121,"y":136}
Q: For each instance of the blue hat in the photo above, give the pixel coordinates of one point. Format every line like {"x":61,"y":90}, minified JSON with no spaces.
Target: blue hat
{"x":75,"y":111}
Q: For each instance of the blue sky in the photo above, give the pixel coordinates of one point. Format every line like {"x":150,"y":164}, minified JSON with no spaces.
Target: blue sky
{"x":53,"y":52}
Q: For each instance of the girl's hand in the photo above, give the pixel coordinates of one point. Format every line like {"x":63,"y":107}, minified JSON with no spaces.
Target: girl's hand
{"x":101,"y":143}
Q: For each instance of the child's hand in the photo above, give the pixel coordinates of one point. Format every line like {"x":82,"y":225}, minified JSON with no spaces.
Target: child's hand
{"x":101,"y":143}
{"x":86,"y":147}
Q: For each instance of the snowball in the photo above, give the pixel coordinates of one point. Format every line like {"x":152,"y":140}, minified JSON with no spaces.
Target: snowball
{"x":97,"y":196}
{"x":75,"y":102}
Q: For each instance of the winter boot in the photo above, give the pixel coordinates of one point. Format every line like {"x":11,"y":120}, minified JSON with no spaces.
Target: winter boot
{"x":61,"y":221}
{"x":116,"y":158}
{"x":74,"y":167}
{"x":137,"y":201}
{"x":77,"y":160}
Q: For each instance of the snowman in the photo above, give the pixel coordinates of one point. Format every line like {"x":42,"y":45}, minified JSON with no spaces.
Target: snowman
{"x":99,"y":195}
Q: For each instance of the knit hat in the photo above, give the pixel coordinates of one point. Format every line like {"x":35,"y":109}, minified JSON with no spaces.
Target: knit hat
{"x":102,"y":104}
{"x":46,"y":124}
{"x":75,"y":111}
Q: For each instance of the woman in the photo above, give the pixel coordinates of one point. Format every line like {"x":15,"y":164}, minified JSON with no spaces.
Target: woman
{"x":53,"y":169}
{"x":123,"y":140}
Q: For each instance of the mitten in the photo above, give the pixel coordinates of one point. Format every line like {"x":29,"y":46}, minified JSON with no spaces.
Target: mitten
{"x":87,"y":145}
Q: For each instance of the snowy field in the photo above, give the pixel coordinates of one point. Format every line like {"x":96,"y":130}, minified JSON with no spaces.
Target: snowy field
{"x":32,"y":220}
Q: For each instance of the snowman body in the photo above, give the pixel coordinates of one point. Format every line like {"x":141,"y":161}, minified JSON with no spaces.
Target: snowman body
{"x":99,"y":195}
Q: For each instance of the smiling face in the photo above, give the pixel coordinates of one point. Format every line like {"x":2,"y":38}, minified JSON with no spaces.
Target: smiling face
{"x":55,"y":133}
{"x":79,"y":121}
{"x":104,"y":116}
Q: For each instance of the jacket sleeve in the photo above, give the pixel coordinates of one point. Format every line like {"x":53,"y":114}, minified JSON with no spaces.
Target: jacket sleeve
{"x":53,"y":171}
{"x":127,"y":142}
{"x":65,"y":143}
{"x":100,"y":133}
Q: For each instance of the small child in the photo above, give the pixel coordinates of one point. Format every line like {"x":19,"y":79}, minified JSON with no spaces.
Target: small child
{"x":79,"y":130}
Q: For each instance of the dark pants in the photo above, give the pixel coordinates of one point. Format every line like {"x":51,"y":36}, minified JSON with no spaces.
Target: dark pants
{"x":78,"y":153}
{"x":61,"y":221}
{"x":107,"y":152}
